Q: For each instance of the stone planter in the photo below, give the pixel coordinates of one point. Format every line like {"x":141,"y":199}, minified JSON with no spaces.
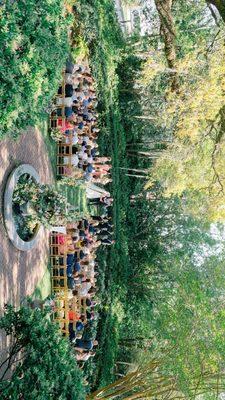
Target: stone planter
{"x":10,"y":225}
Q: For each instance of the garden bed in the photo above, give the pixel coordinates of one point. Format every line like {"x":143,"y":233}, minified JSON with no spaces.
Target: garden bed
{"x":26,"y":227}
{"x":21,"y":231}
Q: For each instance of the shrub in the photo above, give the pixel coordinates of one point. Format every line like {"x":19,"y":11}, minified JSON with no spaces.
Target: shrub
{"x":34,"y":47}
{"x":46,"y":368}
{"x":46,"y":205}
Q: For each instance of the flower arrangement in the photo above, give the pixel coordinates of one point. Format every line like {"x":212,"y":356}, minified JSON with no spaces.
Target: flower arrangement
{"x":56,"y":134}
{"x":42,"y":204}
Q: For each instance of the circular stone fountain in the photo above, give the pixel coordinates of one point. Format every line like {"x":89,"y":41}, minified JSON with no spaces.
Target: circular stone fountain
{"x":10,"y":223}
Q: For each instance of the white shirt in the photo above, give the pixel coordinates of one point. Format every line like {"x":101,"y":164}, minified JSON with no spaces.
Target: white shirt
{"x":69,"y":78}
{"x":82,"y":155}
{"x":74,"y":160}
{"x":86,"y":286}
{"x":86,"y":139}
{"x":73,"y":140}
{"x":67,"y":101}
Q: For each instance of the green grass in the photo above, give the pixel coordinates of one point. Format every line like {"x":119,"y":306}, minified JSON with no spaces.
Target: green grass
{"x":43,"y":289}
{"x":51,"y":146}
{"x":76,"y":196}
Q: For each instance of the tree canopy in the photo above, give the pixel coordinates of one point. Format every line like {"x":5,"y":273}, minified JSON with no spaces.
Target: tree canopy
{"x":41,"y":362}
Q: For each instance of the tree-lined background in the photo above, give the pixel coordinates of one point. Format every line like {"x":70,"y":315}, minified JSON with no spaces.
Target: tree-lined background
{"x":162,"y":115}
{"x":162,"y":118}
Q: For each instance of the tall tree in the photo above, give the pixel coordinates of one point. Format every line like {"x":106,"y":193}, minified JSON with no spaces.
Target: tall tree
{"x":167,"y":29}
{"x":220,"y":5}
{"x":41,"y":362}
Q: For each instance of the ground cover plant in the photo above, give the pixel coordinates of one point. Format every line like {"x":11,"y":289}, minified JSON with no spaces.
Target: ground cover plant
{"x":34,"y":47}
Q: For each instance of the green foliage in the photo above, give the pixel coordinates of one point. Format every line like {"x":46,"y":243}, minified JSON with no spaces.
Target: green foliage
{"x":56,"y":134}
{"x":193,"y":163}
{"x":46,"y":205}
{"x":193,"y":116}
{"x":46,"y":367}
{"x":188,"y":318}
{"x":34,"y":47}
{"x":157,"y":275}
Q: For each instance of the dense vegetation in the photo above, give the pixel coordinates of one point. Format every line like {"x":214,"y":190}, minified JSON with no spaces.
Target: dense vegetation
{"x":35,"y":347}
{"x":162,"y":281}
{"x":161,"y":113}
{"x":34,"y":46}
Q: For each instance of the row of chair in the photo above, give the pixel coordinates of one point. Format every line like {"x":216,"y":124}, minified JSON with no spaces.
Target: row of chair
{"x":63,"y":303}
{"x":62,"y":148}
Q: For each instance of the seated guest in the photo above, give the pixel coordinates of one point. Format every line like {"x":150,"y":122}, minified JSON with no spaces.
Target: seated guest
{"x":69,"y":259}
{"x":85,"y":356}
{"x":64,"y":101}
{"x":74,"y":160}
{"x":71,"y":283}
{"x":69,"y":78}
{"x":68,"y":112}
{"x":64,"y":125}
{"x":84,"y":289}
{"x":72,"y":333}
{"x":89,"y":315}
{"x":76,"y":267}
{"x":73,"y":316}
{"x":79,"y":326}
{"x":69,"y":270}
{"x":88,"y":302}
{"x":72,"y":139}
{"x":81,"y":344}
{"x":82,"y":254}
{"x":68,"y":90}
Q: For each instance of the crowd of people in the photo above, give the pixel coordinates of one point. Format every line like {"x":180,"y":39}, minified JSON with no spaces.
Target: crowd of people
{"x":79,"y":244}
{"x":75,"y":116}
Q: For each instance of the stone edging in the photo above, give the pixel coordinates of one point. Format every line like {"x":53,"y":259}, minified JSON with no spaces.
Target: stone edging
{"x":8,"y":214}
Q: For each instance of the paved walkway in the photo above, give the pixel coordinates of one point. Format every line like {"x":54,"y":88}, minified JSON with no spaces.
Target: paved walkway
{"x":21,"y":271}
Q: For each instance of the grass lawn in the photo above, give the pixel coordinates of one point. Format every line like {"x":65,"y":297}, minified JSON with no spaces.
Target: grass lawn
{"x":43,"y":289}
{"x":76,"y":196}
{"x":51,"y":146}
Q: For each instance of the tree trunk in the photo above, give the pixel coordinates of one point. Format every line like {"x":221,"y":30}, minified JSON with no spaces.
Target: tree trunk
{"x":137,"y":176}
{"x":147,"y":117}
{"x":125,"y":363}
{"x":144,"y":171}
{"x":169,"y":36}
{"x":220,"y":5}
